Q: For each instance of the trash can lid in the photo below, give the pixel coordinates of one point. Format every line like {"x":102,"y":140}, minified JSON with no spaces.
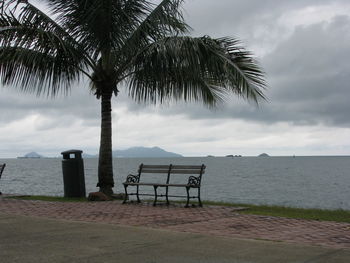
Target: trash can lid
{"x":71,"y":152}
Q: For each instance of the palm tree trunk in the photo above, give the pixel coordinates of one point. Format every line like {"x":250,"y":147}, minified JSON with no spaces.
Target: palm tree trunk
{"x":105,"y":164}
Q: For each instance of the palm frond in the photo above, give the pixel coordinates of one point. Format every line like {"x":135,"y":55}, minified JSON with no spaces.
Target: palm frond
{"x":33,"y":33}
{"x":85,"y":20}
{"x":164,"y":20}
{"x":245,"y":75}
{"x":35,"y":71}
{"x":158,"y":22}
{"x":38,"y":23}
{"x":194,"y":69}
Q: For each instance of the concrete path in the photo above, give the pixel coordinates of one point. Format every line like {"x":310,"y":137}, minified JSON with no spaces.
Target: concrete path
{"x":37,"y":231}
{"x":213,"y":220}
{"x":29,"y":239}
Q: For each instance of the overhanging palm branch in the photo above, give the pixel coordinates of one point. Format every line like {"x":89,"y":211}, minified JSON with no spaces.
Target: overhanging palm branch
{"x":37,"y":54}
{"x":192,"y":69}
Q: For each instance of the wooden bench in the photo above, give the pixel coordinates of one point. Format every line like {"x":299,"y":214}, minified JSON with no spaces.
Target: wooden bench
{"x":2,"y":167}
{"x":195,"y":173}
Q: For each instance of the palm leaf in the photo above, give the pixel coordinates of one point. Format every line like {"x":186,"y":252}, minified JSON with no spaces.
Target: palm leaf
{"x":35,"y":71}
{"x":191,"y":69}
{"x":162,"y":21}
{"x":31,"y":18}
{"x":35,"y":35}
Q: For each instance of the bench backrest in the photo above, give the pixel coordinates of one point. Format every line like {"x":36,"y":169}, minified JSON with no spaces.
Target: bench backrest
{"x":2,"y":167}
{"x":198,"y":170}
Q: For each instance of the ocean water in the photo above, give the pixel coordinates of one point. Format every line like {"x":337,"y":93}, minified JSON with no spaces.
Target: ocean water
{"x":309,"y":182}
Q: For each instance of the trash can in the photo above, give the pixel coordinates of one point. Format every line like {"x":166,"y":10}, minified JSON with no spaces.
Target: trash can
{"x":73,"y":174}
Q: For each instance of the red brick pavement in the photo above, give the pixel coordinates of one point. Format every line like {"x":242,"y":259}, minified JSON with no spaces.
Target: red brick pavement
{"x":212,"y":220}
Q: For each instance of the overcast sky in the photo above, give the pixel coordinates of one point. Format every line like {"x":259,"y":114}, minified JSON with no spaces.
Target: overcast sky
{"x":303,"y":46}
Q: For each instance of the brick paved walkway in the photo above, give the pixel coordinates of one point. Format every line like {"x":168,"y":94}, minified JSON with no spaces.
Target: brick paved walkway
{"x":212,"y":220}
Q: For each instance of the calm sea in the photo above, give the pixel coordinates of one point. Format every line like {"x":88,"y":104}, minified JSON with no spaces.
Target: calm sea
{"x":309,"y":182}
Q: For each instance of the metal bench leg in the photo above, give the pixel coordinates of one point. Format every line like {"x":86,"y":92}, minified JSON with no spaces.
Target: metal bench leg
{"x":137,"y":194}
{"x":188,"y":196}
{"x":126,"y":193}
{"x":199,"y":197}
{"x":155,"y":195}
{"x":166,"y":195}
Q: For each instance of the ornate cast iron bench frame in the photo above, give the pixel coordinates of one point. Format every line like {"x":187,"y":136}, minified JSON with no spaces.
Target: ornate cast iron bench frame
{"x":194,"y":181}
{"x":2,"y":167}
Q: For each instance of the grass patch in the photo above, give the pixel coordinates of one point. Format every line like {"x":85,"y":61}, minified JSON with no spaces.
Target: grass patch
{"x":301,"y":213}
{"x":49,"y":198}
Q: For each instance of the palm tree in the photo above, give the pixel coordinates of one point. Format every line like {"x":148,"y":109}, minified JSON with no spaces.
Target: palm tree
{"x":120,"y":44}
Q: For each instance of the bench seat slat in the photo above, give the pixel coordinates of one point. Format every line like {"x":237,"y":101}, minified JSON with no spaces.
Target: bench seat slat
{"x":155,"y":171}
{"x":155,"y":166}
{"x":150,"y":184}
{"x":172,"y":167}
{"x":185,"y":172}
{"x":176,"y":185}
{"x":161,"y":185}
{"x":172,"y":171}
{"x":186,"y":167}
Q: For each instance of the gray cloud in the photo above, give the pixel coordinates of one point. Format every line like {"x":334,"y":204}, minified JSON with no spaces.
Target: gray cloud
{"x":79,"y":104}
{"x":309,"y":74}
{"x":309,"y":79}
{"x":255,"y":22}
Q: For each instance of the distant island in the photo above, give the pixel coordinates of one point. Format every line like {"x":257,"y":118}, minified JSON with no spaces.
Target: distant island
{"x":31,"y":155}
{"x":264,"y":155}
{"x":86,"y":155}
{"x":134,"y":152}
{"x":144,"y":152}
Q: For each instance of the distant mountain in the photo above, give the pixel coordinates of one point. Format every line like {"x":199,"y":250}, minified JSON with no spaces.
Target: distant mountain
{"x":264,"y":155}
{"x":32,"y":155}
{"x":85,"y":155}
{"x":144,"y":152}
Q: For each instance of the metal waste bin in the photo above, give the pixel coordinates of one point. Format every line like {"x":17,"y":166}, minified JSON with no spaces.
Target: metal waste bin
{"x":73,"y":174}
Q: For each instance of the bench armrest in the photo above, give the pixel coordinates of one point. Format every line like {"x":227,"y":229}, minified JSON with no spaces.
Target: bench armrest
{"x":131,"y":178}
{"x":194,"y":181}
